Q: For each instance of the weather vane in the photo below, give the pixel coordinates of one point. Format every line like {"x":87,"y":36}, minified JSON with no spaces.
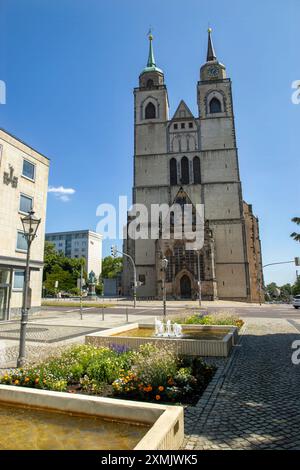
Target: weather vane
{"x":149,"y":34}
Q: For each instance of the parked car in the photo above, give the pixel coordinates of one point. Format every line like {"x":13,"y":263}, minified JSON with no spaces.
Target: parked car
{"x":296,"y":301}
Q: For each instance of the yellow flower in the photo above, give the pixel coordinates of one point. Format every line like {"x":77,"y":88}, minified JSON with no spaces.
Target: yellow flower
{"x":17,"y":382}
{"x":26,"y":379}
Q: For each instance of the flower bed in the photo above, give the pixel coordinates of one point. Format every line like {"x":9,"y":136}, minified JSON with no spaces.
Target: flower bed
{"x":149,"y":374}
{"x":219,"y":318}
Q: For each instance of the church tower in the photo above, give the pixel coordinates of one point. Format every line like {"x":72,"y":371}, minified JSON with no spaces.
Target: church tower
{"x":192,"y":159}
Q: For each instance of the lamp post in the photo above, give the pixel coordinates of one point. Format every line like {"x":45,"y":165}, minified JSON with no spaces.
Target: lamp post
{"x":30,"y":225}
{"x":114,"y":252}
{"x":199,"y":278}
{"x":164,"y":265}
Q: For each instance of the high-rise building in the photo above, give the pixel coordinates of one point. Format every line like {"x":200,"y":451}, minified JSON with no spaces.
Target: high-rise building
{"x":80,"y":244}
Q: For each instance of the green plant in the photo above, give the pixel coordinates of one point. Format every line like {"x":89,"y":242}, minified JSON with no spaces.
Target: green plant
{"x":219,"y":318}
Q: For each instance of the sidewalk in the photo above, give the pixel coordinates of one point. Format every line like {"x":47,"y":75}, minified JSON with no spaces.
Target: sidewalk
{"x":255,"y":401}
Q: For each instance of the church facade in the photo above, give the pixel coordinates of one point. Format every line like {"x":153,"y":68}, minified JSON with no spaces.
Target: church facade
{"x":192,"y":159}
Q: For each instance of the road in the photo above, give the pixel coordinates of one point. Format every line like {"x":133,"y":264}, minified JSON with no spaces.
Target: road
{"x":265,"y":311}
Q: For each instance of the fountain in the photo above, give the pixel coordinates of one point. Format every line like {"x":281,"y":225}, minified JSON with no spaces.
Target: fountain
{"x":167,"y":330}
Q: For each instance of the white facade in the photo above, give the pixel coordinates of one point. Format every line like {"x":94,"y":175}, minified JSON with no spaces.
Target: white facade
{"x":23,"y":186}
{"x":80,"y":244}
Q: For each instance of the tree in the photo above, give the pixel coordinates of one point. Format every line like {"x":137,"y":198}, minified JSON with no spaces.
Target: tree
{"x":57,"y":267}
{"x":111,"y":267}
{"x":295,"y":235}
{"x":272,"y":290}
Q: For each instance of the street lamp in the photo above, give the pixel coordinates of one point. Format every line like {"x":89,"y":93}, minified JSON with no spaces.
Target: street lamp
{"x":30,"y":225}
{"x":164,"y":265}
{"x":114,"y":252}
{"x":199,"y":278}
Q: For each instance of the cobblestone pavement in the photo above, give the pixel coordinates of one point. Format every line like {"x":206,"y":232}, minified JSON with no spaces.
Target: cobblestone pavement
{"x":43,"y":332}
{"x":253,"y":401}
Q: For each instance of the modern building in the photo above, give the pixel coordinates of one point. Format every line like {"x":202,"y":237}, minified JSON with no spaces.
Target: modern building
{"x":23,"y":187}
{"x":80,"y":244}
{"x":192,"y":159}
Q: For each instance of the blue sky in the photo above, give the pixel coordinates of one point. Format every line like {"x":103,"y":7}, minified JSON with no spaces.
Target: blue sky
{"x":70,"y":67}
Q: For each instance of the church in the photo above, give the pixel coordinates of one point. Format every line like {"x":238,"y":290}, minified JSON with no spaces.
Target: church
{"x":192,"y":159}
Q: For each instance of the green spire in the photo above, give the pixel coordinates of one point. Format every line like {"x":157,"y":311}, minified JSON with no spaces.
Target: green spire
{"x":151,"y":60}
{"x":151,"y":65}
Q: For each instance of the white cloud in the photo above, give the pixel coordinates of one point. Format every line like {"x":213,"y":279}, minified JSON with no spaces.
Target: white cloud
{"x":61,"y":193}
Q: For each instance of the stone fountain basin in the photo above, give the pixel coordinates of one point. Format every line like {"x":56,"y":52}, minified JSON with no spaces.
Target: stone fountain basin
{"x":123,"y":335}
{"x":166,"y":423}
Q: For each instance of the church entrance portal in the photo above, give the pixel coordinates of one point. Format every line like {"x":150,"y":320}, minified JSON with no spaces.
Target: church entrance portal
{"x":185,"y":287}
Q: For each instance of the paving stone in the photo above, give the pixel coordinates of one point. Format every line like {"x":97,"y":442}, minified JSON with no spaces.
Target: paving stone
{"x":255,"y":404}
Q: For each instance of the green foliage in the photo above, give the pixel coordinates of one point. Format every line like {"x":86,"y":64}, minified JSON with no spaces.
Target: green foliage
{"x":151,"y":374}
{"x":111,"y":267}
{"x":99,"y":288}
{"x":155,"y":365}
{"x":220,"y":318}
{"x":57,"y":267}
{"x":282,"y":293}
{"x":295,"y":235}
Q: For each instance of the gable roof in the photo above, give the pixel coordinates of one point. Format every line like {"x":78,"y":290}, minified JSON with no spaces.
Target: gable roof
{"x":183,"y":111}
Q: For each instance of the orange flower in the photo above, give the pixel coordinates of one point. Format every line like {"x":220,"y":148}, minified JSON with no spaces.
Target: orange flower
{"x":26,"y":379}
{"x":170,"y":381}
{"x":37,"y":380}
{"x":161,"y":388}
{"x":157,"y":397}
{"x":17,"y":382}
{"x":149,"y":388}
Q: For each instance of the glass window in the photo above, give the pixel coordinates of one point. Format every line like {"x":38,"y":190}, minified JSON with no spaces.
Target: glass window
{"x":215,"y":106}
{"x":173,"y":172}
{"x":21,"y":242}
{"x":19,"y":280}
{"x":28,"y":170}
{"x":185,"y":174}
{"x":197,"y":170}
{"x":190,"y":125}
{"x":25,"y":203}
{"x":175,"y":126}
{"x":182,"y":125}
{"x":150,"y":112}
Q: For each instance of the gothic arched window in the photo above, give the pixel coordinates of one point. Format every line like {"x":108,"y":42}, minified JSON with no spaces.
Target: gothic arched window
{"x":150,"y":112}
{"x":173,"y":172}
{"x":215,"y":106}
{"x":185,"y":174}
{"x":150,"y":83}
{"x":197,"y":171}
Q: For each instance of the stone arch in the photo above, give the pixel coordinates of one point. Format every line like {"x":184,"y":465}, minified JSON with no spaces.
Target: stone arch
{"x":144,"y":104}
{"x":212,"y":97}
{"x":185,"y":170}
{"x":183,"y":273}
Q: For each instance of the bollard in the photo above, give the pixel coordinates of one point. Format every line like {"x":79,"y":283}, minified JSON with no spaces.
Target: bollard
{"x":102,"y":313}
